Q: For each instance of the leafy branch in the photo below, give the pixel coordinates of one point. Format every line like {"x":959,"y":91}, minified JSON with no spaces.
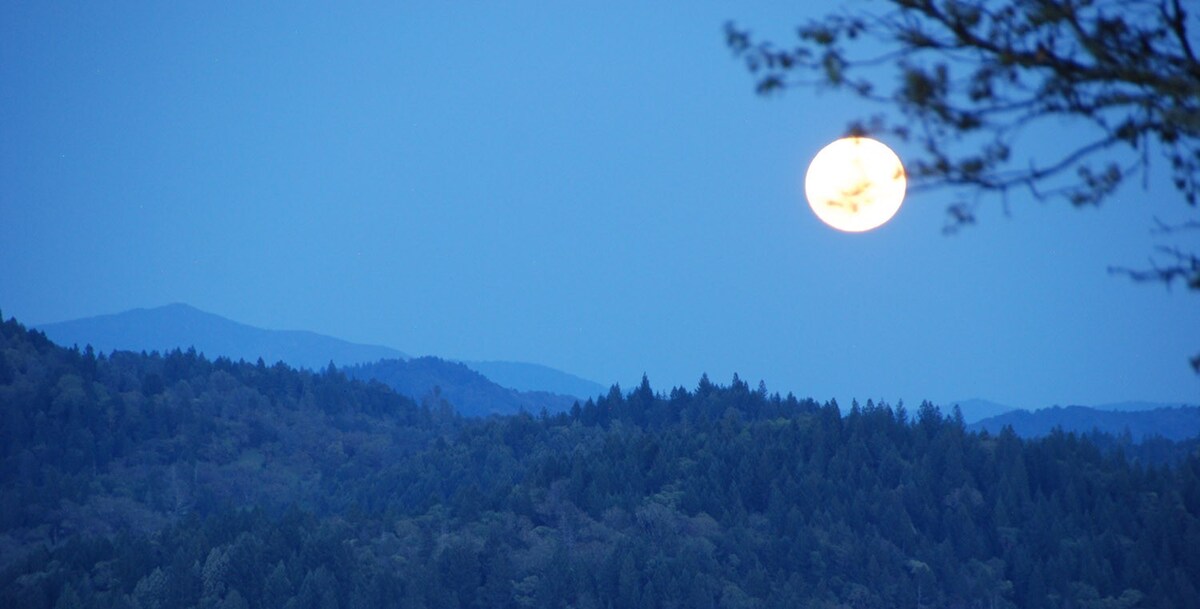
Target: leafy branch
{"x":977,"y":79}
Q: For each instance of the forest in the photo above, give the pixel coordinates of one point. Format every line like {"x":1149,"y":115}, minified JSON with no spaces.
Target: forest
{"x":155,"y":480}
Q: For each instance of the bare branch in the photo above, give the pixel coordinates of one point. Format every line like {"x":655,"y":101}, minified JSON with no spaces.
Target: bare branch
{"x":1186,"y":267}
{"x":1163,"y":228}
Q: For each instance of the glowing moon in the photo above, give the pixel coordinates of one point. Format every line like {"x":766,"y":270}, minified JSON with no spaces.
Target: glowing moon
{"x":855,"y":184}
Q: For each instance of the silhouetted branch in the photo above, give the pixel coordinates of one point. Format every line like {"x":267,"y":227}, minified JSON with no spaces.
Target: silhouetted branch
{"x":1163,"y":228}
{"x":974,"y":67}
{"x":1185,"y":267}
{"x":975,"y":76}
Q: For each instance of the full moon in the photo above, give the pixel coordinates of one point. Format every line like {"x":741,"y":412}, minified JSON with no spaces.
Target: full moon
{"x":855,"y":184}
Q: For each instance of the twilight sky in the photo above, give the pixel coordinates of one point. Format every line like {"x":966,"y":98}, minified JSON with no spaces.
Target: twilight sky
{"x":592,"y":188}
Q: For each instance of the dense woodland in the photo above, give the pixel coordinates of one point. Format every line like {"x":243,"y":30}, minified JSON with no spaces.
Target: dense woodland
{"x":168,"y":480}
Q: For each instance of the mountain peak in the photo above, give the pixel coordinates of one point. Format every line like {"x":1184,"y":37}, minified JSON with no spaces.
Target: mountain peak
{"x":180,"y":325}
{"x":182,"y":307}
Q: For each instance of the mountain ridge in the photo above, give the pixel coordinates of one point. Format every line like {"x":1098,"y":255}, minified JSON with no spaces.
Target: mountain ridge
{"x":179,"y":325}
{"x":1173,"y":423}
{"x":431,"y":380}
{"x":523,"y":376}
{"x":975,"y":410}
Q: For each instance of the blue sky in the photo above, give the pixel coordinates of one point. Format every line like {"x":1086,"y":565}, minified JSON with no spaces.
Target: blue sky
{"x":595,"y":188}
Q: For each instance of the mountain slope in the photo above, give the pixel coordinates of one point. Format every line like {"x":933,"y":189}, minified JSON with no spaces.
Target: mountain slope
{"x":1136,"y":406}
{"x":181,"y":326}
{"x":976,"y":410}
{"x":1179,"y":423}
{"x":168,"y":480}
{"x":469,"y":392}
{"x":91,"y":445}
{"x":535,"y":377}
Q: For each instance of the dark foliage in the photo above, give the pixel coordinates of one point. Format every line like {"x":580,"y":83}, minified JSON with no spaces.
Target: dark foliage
{"x":170,"y":481}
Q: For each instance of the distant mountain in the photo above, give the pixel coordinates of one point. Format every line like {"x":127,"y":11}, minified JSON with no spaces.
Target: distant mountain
{"x":1137,"y":406}
{"x":431,"y":379}
{"x":975,"y":410}
{"x":182,"y":326}
{"x":1180,"y":423}
{"x":535,"y":377}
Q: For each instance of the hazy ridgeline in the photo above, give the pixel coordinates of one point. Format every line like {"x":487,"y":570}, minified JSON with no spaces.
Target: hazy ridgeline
{"x":134,"y":480}
{"x":433,"y":380}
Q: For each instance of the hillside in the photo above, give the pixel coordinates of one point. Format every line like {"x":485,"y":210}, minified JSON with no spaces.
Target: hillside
{"x":174,"y":481}
{"x":534,"y":377}
{"x":469,"y":392}
{"x":179,"y":326}
{"x":1180,"y":423}
{"x":975,"y":410}
{"x":1137,"y":406}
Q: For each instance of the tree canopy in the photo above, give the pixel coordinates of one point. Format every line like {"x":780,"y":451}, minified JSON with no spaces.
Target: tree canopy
{"x":168,"y":480}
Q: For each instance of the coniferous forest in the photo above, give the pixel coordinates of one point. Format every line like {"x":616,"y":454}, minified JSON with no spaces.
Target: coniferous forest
{"x":132,"y":480}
